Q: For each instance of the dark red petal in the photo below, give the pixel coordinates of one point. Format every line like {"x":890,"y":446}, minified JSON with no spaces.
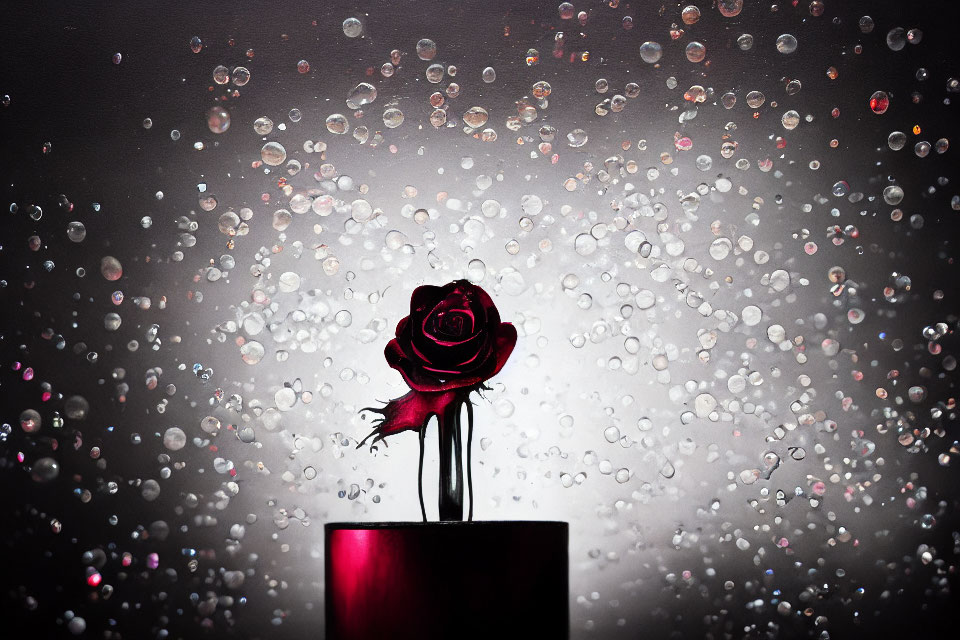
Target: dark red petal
{"x":403,"y":326}
{"x":410,"y":412}
{"x":490,"y":309}
{"x":425,"y":296}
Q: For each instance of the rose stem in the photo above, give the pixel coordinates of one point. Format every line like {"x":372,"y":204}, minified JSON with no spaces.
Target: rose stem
{"x":451,"y":468}
{"x":423,"y":510}
{"x":469,"y":456}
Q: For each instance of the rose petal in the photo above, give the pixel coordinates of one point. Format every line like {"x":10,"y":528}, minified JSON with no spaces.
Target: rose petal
{"x":418,"y":379}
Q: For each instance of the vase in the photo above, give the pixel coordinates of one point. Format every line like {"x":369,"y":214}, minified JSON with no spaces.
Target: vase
{"x":426,"y":580}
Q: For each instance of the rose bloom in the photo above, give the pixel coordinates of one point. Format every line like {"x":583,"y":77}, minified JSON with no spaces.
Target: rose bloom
{"x":452,"y":339}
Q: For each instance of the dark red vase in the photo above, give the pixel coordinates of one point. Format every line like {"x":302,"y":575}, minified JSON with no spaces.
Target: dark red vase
{"x":447,"y":580}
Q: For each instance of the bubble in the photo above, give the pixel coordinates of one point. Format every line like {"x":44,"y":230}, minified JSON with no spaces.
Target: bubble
{"x":695,"y":51}
{"x":745,"y":42}
{"x":866,"y":24}
{"x":30,"y":421}
{"x":720,"y":248}
{"x":893,"y":194}
{"x":196,"y":45}
{"x":531,"y":204}
{"x":288,"y":282}
{"x":475,"y":117}
{"x":76,"y":408}
{"x":577,"y":138}
{"x":896,"y":38}
{"x":755,"y":99}
{"x":110,"y":268}
{"x":752,"y":315}
{"x":897,"y":140}
{"x":438,"y":118}
{"x":210,"y":425}
{"x":273,"y":154}
{"x":645,"y":299}
{"x":585,"y":244}
{"x":690,"y":14}
{"x":221,"y":75}
{"x":76,"y":231}
{"x":45,"y":469}
{"x":426,"y":49}
{"x":392,"y":118}
{"x":77,"y":625}
{"x":922,"y":149}
{"x":241,"y":76}
{"x":303,"y":67}
{"x":434,"y":73}
{"x":790,"y":120}
{"x":281,"y":219}
{"x":879,"y":102}
{"x":786,"y":43}
{"x":650,"y":52}
{"x":111,"y":321}
{"x":251,"y":352}
{"x":337,"y":124}
{"x":218,"y":119}
{"x":174,"y":439}
{"x":730,"y":8}
{"x":150,"y":490}
{"x":352,"y":27}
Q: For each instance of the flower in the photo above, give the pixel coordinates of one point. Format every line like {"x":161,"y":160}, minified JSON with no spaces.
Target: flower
{"x":452,"y":339}
{"x":449,"y":345}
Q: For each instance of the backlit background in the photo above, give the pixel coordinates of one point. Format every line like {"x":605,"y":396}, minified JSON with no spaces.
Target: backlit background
{"x":722,"y":229}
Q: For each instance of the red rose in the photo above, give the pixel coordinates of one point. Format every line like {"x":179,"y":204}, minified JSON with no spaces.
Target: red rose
{"x":452,"y":339}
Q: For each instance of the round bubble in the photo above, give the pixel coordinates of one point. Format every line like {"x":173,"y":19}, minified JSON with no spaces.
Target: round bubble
{"x":218,"y":119}
{"x":651,"y":52}
{"x":363,"y":93}
{"x":426,"y":49}
{"x":392,"y":117}
{"x":786,"y":43}
{"x":150,"y":490}
{"x":174,"y":439}
{"x":475,"y":117}
{"x":897,"y":38}
{"x":730,"y":8}
{"x":110,"y":268}
{"x":273,"y":154}
{"x":45,"y":469}
{"x":76,"y":231}
{"x":252,"y":352}
{"x":897,"y":140}
{"x":76,"y":408}
{"x":263,"y":125}
{"x":337,"y":124}
{"x":352,"y":27}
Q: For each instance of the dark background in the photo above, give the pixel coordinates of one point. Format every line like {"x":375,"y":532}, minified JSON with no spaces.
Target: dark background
{"x":55,"y":63}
